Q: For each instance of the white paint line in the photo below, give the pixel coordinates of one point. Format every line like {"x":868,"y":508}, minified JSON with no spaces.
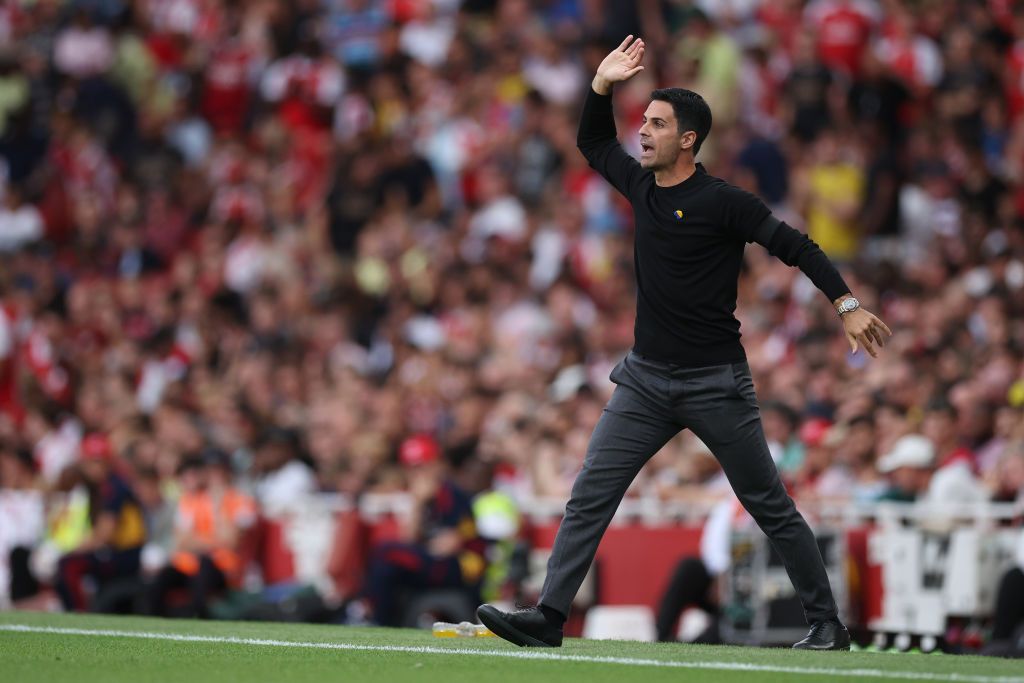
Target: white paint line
{"x":522,"y":654}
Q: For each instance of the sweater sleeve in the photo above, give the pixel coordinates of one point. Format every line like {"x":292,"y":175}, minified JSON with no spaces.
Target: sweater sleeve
{"x":794,"y":248}
{"x":597,"y":141}
{"x":742,"y":211}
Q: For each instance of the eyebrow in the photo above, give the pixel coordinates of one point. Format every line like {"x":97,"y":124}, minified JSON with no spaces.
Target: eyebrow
{"x":656,"y":118}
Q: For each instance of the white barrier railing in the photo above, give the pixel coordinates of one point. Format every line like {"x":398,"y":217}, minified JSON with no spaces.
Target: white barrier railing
{"x":649,"y":510}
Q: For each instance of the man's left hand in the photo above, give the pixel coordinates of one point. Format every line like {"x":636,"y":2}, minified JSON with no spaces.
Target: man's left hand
{"x":864,"y":328}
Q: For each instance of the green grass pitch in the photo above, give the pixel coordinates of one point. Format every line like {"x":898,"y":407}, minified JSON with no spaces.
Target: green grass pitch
{"x":52,"y":648}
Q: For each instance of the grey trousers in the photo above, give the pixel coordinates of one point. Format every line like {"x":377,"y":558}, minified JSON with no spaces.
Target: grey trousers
{"x":652,"y":402}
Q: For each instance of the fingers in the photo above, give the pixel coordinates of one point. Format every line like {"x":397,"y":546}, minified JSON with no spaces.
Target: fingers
{"x":635,"y":70}
{"x":872,"y":335}
{"x":884,"y":327}
{"x":865,"y":341}
{"x":876,"y":337}
{"x":622,"y":46}
{"x":636,"y":50}
{"x":877,"y":332}
{"x":853,"y":343}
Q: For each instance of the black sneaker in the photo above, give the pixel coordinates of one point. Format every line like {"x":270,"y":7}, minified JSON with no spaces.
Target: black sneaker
{"x":825,"y":635}
{"x":525,"y":627}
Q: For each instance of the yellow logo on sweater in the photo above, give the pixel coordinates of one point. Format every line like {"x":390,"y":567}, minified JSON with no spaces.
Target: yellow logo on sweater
{"x":679,"y":214}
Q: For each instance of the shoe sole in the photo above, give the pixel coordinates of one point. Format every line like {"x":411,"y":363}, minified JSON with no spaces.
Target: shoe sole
{"x":493,"y":619}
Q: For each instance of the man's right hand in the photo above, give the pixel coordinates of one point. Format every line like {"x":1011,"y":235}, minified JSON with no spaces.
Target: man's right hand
{"x":621,"y":64}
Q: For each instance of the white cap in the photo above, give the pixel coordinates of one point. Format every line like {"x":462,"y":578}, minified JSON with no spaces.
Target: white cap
{"x":912,"y":450}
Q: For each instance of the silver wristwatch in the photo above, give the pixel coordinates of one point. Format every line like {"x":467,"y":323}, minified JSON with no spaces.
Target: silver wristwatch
{"x":847,"y":305}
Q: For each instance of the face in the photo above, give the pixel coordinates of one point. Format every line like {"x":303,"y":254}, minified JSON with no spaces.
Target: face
{"x":94,"y":470}
{"x":911,"y":479}
{"x":191,"y":479}
{"x":939,"y":426}
{"x":660,"y":140}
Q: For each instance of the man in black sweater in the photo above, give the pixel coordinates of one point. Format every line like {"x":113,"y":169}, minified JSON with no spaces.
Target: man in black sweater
{"x":687,"y":368}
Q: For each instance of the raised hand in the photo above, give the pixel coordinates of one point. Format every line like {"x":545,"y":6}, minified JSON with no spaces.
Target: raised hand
{"x":621,"y":64}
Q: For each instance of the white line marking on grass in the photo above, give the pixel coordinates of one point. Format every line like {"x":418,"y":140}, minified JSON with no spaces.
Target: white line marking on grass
{"x":520,"y":654}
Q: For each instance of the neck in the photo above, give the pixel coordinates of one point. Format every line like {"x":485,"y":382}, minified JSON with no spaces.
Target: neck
{"x":676,"y":173}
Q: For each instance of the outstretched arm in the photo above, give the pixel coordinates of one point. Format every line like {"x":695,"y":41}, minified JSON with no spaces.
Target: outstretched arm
{"x":596,"y":138}
{"x":794,"y":248}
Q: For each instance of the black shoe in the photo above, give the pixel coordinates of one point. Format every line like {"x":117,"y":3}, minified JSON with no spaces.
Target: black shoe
{"x":524,"y":627}
{"x":825,"y":635}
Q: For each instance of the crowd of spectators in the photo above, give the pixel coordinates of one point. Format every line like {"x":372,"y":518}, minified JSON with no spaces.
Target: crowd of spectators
{"x":295,"y":233}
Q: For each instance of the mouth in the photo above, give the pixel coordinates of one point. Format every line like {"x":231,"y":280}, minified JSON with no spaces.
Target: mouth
{"x":645,"y":148}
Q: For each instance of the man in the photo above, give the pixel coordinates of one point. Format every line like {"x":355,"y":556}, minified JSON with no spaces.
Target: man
{"x":687,"y":368}
{"x":439,"y":545}
{"x":113,"y":548}
{"x":22,"y":524}
{"x":211,"y":521}
{"x":909,"y":467}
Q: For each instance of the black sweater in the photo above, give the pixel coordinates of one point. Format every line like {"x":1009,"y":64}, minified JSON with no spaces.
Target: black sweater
{"x":689,"y":248}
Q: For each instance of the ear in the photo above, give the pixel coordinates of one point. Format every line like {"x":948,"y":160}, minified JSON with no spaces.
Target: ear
{"x":687,"y":140}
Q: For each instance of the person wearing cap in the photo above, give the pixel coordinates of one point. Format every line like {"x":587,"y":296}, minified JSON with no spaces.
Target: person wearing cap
{"x":212,"y":517}
{"x":909,"y":467}
{"x":113,"y":548}
{"x":439,"y":545}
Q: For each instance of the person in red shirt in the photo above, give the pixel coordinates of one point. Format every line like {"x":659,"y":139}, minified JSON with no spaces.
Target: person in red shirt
{"x":844,"y":29}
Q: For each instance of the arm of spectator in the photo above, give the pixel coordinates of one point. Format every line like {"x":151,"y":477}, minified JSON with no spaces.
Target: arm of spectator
{"x":422,"y":489}
{"x":874,"y":209}
{"x":102,"y":532}
{"x":547,"y":482}
{"x":188,"y":543}
{"x":445,"y":543}
{"x":430,"y":205}
{"x":275,"y":82}
{"x":652,"y":24}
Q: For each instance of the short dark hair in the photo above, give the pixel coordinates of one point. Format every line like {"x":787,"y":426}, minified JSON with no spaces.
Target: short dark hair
{"x":692,"y":112}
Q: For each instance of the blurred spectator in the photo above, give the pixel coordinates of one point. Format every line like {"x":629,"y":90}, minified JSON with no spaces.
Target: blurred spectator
{"x":909,"y":467}
{"x":440,"y":547}
{"x":113,"y":547}
{"x":22,"y":520}
{"x":212,"y":518}
{"x":83,"y":49}
{"x":843,"y":28}
{"x":831,"y":191}
{"x":954,"y":480}
{"x":283,"y":478}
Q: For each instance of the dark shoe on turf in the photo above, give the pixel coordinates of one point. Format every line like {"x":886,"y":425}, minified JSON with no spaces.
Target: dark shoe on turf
{"x":525,"y":627}
{"x":825,"y":635}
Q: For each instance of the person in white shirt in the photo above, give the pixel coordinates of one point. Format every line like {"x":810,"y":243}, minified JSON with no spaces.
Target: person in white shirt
{"x":22,"y":522}
{"x":284,"y":480}
{"x":20,"y":223}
